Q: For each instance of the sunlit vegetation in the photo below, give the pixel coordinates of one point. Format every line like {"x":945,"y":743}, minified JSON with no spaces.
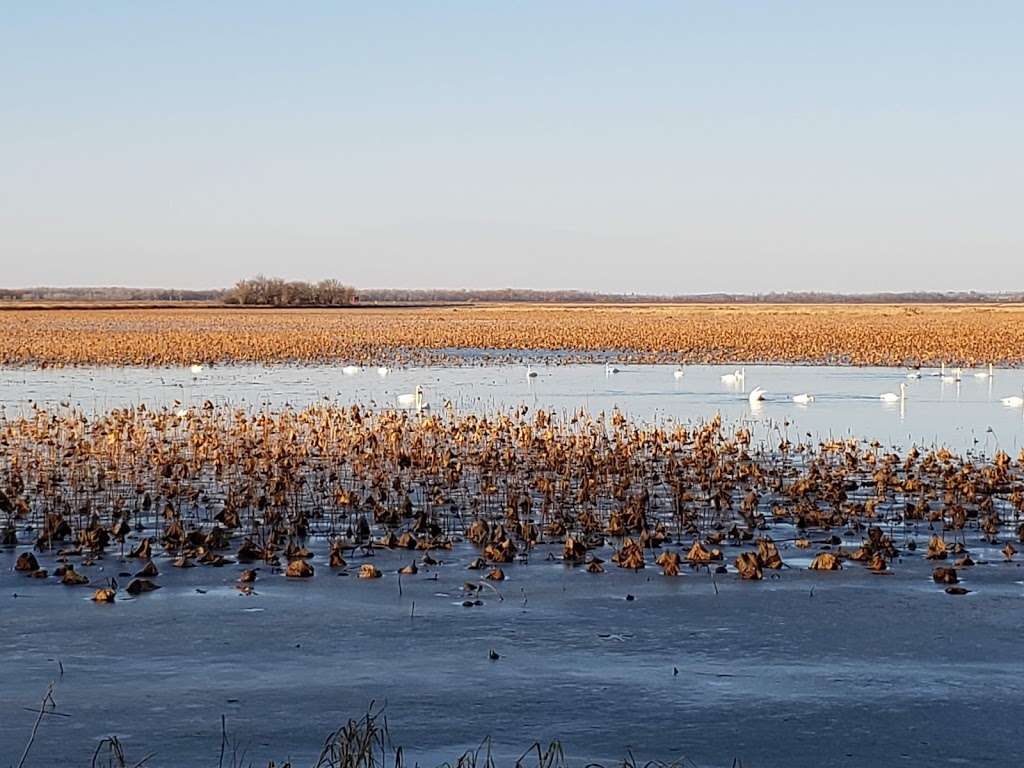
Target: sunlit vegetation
{"x":275,"y":292}
{"x":857,"y":335}
{"x":212,"y":487}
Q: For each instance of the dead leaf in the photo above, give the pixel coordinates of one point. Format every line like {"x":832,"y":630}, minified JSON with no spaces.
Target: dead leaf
{"x":299,"y":569}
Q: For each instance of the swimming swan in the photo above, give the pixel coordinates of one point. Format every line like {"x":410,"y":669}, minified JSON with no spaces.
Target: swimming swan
{"x":1014,"y":401}
{"x":892,"y":397}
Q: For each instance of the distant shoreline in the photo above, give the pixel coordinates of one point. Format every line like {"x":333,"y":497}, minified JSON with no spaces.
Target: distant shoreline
{"x":99,"y":304}
{"x":105,"y":305}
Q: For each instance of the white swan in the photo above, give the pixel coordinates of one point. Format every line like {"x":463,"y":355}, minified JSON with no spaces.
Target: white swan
{"x":757,"y":395}
{"x":350,"y":370}
{"x":892,"y":397}
{"x":803,"y":399}
{"x":1014,"y":401}
{"x":984,"y":374}
{"x":530,"y":373}
{"x":382,"y":370}
{"x":609,"y":369}
{"x":414,"y":399}
{"x":196,"y":369}
{"x":914,"y":375}
{"x":735,"y":377}
{"x":953,"y":376}
{"x":678,"y":372}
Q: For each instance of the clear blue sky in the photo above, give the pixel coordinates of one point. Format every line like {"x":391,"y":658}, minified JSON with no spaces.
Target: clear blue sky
{"x":663,"y":147}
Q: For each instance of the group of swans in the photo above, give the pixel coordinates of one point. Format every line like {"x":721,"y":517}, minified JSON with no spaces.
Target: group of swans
{"x":759,"y":394}
{"x":352,"y":370}
{"x":953,"y":375}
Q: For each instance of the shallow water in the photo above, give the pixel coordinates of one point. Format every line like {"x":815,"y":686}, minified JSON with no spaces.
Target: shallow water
{"x":962,"y":417}
{"x":850,"y":667}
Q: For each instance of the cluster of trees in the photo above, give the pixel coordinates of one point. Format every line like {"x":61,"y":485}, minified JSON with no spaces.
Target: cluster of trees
{"x":275,"y":292}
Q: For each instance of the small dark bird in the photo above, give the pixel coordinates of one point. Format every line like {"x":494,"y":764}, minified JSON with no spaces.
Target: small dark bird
{"x":493,"y":655}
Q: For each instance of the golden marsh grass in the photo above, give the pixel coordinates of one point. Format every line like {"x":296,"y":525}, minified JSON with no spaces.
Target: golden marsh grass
{"x":847,"y":334}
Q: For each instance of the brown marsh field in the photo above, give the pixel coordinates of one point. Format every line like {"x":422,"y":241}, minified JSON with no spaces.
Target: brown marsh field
{"x":894,"y":335}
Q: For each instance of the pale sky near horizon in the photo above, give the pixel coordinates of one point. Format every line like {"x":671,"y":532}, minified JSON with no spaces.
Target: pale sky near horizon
{"x":656,"y":147}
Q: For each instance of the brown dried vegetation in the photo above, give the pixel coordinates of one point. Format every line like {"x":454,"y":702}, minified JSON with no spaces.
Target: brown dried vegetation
{"x":222,"y":485}
{"x":860,"y":335}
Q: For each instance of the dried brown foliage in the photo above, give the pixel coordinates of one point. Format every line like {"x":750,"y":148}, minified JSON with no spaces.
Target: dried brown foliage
{"x":861,"y":335}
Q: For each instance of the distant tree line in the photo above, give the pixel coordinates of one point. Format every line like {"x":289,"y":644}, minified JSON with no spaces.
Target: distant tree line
{"x":277,"y":292}
{"x":109,"y":294}
{"x":262,"y":291}
{"x":514,"y":295}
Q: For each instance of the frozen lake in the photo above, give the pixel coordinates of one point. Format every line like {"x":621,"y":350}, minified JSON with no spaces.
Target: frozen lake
{"x":801,"y":669}
{"x":809,"y":669}
{"x":965,"y":415}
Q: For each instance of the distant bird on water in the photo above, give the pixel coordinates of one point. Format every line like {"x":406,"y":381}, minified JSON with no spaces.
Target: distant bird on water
{"x":414,"y":399}
{"x":892,"y":397}
{"x":736,"y":377}
{"x":1014,"y":401}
